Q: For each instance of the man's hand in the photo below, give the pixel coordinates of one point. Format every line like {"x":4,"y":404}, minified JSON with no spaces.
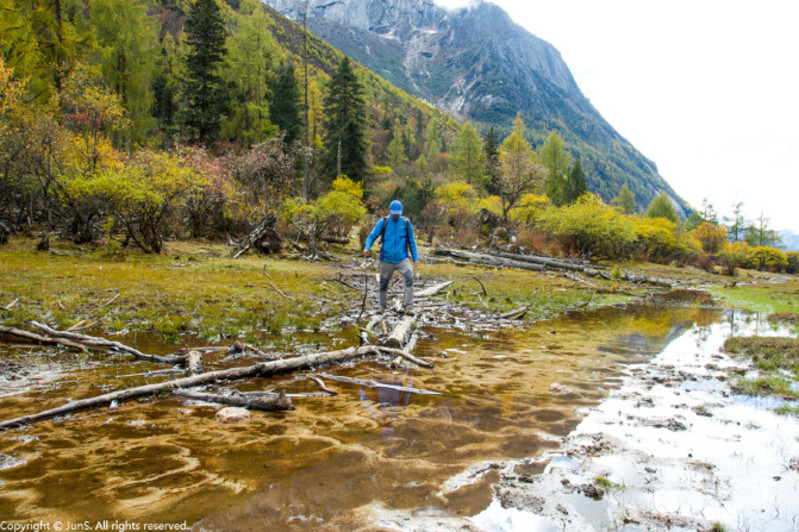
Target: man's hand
{"x":415,"y":263}
{"x":365,"y":252}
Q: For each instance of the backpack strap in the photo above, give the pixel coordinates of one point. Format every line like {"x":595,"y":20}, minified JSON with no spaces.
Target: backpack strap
{"x":382,"y":235}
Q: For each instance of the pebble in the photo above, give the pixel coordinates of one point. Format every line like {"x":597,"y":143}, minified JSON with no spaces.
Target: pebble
{"x":233,"y":414}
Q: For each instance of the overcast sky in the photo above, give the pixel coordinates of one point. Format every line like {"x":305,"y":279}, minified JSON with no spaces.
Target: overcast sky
{"x":707,"y":89}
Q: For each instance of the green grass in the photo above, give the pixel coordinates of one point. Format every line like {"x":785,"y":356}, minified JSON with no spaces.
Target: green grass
{"x":763,"y":297}
{"x":777,"y":362}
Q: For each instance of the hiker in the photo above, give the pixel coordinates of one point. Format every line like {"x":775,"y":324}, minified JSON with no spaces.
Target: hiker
{"x":397,"y":239}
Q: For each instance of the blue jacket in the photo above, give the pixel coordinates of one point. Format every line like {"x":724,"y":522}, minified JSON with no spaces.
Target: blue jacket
{"x":396,"y":240}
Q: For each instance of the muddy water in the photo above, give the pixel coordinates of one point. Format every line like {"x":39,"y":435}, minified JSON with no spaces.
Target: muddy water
{"x":161,"y":460}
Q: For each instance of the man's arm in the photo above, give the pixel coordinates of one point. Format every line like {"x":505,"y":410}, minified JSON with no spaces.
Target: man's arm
{"x":412,"y":243}
{"x":372,"y":237}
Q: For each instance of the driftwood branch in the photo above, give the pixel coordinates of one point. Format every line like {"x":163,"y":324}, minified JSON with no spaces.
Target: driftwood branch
{"x":269,"y":402}
{"x":19,"y":333}
{"x":11,"y":305}
{"x":514,"y":314}
{"x":260,"y":369}
{"x":322,"y":386}
{"x":96,"y":342}
{"x":406,"y":355}
{"x":373,"y":384}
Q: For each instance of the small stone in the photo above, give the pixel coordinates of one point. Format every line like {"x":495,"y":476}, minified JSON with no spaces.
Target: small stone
{"x":559,"y":389}
{"x":233,"y":414}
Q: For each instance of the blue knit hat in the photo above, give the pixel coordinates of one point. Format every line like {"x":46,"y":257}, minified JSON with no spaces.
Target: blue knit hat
{"x":395,"y":207}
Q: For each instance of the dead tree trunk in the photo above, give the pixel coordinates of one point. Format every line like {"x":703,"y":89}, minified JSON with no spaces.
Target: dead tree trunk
{"x":261,"y":369}
{"x":268,"y":403}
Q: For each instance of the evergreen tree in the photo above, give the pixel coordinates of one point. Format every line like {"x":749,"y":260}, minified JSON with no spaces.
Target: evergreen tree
{"x":575,"y":183}
{"x":285,"y":108}
{"x":433,"y":147}
{"x":492,"y":167}
{"x":468,"y":155}
{"x":556,"y":161}
{"x":345,"y":116}
{"x":205,"y":36}
{"x":661,"y":207}
{"x":625,"y":201}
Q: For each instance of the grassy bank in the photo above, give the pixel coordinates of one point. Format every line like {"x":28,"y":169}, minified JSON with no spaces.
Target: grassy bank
{"x":195,"y":288}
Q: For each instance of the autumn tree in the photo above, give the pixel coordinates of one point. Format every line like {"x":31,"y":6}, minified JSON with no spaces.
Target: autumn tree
{"x":127,"y":38}
{"x":251,"y":52}
{"x":661,"y":207}
{"x":521,"y":171}
{"x":345,"y":117}
{"x":711,"y":236}
{"x":206,"y":36}
{"x":759,"y":233}
{"x":556,"y":160}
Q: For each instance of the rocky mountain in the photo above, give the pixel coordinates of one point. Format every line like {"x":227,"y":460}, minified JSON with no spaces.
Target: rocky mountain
{"x":476,"y":63}
{"x":790,"y":240}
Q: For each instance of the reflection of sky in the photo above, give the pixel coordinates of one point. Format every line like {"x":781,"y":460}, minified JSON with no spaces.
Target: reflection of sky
{"x":637,"y":343}
{"x":387,"y":408}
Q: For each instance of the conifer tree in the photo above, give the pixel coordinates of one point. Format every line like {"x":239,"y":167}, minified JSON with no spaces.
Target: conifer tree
{"x":285,"y":107}
{"x":345,"y":116}
{"x":206,"y":36}
{"x":737,"y":223}
{"x":625,"y":201}
{"x":468,"y":155}
{"x":661,"y":207}
{"x":575,"y":183}
{"x":492,"y":167}
{"x":556,"y":161}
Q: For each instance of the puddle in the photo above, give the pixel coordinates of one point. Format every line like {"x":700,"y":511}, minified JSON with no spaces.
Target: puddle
{"x":334,"y":458}
{"x":672,"y":448}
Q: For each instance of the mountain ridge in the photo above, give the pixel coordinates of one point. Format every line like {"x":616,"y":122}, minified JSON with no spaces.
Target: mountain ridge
{"x":476,"y":63}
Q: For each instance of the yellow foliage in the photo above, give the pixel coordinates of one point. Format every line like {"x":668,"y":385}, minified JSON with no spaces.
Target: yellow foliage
{"x":711,"y":236}
{"x":458,"y":195}
{"x":529,"y":208}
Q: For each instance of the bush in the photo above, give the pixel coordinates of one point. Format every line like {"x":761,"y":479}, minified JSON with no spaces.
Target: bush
{"x":733,"y":256}
{"x":763,"y":257}
{"x":590,"y":228}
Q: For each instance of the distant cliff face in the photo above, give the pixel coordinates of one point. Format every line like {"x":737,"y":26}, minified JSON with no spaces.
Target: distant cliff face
{"x":477,"y":64}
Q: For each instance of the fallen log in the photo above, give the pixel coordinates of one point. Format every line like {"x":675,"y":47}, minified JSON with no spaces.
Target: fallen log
{"x":19,"y":333}
{"x":488,"y":260}
{"x":194,"y":363}
{"x":373,"y":384}
{"x":433,"y":290}
{"x":93,"y":341}
{"x":555,"y":264}
{"x":514,"y":314}
{"x":261,"y":369}
{"x":268,"y":403}
{"x":402,"y":332}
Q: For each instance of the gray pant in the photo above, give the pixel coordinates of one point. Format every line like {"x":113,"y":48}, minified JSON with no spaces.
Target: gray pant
{"x":386,"y":271}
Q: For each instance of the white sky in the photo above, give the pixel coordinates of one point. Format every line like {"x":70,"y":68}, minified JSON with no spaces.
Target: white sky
{"x":707,"y":89}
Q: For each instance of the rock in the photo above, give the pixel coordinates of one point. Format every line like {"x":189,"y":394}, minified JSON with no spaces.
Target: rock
{"x":559,"y":389}
{"x":233,"y":414}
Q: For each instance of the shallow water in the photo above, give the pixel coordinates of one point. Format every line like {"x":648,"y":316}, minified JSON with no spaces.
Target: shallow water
{"x":158,"y":460}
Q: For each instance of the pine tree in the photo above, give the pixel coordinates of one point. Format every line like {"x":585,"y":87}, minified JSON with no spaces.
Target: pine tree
{"x":625,"y":201}
{"x":206,"y":36}
{"x":396,"y":148}
{"x":556,"y":161}
{"x":575,"y":183}
{"x":737,"y":223}
{"x":285,"y":107}
{"x":492,"y":167}
{"x":661,"y":207}
{"x":345,"y":117}
{"x":468,"y":155}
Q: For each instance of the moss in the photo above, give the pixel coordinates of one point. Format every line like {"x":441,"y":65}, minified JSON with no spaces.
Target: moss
{"x":777,"y":362}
